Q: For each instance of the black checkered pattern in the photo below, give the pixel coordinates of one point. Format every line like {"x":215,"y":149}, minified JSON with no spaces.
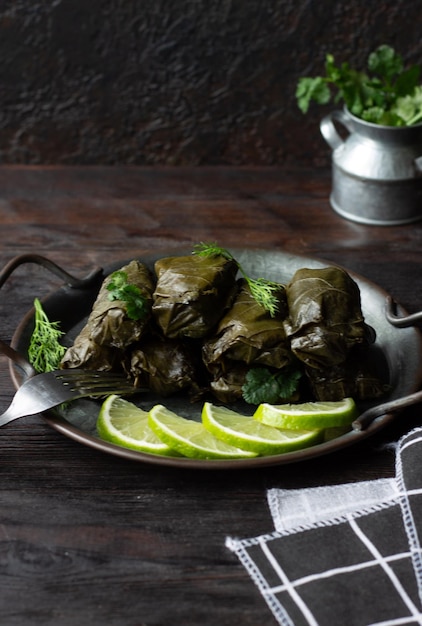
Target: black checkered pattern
{"x":360,"y":569}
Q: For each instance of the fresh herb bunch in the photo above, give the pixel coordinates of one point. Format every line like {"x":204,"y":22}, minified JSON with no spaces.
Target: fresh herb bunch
{"x":45,"y":351}
{"x":262,"y":385}
{"x":262,"y":290}
{"x":388,"y":94}
{"x":121,"y":289}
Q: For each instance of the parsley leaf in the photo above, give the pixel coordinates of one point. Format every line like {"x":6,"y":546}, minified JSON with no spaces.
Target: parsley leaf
{"x":131,"y":295}
{"x":262,"y":385}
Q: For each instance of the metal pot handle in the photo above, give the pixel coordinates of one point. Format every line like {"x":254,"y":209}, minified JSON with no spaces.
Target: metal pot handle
{"x":329,"y":131}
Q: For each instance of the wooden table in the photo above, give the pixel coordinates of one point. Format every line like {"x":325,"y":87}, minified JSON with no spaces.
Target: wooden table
{"x":91,"y":539}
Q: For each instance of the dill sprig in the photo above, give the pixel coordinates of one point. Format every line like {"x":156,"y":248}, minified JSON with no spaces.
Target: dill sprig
{"x":262,"y":290}
{"x":45,"y":351}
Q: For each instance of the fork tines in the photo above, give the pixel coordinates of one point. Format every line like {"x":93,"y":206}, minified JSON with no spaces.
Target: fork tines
{"x":97,"y":383}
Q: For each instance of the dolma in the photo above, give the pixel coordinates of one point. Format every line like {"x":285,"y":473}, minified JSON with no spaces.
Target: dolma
{"x":164,"y":366}
{"x":85,"y":353}
{"x":227,"y":384}
{"x":249,"y":334}
{"x":109,"y":326}
{"x":357,"y":377}
{"x":325,"y":319}
{"x":192,"y":294}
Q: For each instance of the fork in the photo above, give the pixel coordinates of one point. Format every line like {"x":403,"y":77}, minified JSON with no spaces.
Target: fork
{"x":45,"y":391}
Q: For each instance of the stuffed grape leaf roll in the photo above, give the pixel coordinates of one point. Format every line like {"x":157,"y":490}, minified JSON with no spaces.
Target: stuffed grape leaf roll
{"x":192,"y":294}
{"x":325,"y":319}
{"x":359,"y":377}
{"x":248,"y":333}
{"x":112,"y":325}
{"x":164,"y":366}
{"x":86,"y":353}
{"x":227,"y":384}
{"x":247,"y":336}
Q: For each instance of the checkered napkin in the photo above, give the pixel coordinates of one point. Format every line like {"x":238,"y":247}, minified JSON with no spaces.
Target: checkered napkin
{"x":347,"y":555}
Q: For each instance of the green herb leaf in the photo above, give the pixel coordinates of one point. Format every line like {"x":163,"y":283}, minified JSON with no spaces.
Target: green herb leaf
{"x":309,"y":89}
{"x":408,"y":82}
{"x":262,"y":385}
{"x":262,"y":290}
{"x":45,"y":351}
{"x":211,"y":249}
{"x":131,"y":295}
{"x":409,"y":108}
{"x":373,"y":96}
{"x":385,"y":62}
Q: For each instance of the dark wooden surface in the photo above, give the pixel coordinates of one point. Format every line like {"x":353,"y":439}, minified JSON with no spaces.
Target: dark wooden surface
{"x":91,"y":539}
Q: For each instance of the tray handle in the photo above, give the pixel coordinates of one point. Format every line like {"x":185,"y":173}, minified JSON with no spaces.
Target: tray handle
{"x":17,"y":358}
{"x":400,"y":322}
{"x":392,"y":406}
{"x":72,"y":281}
{"x":77,"y":283}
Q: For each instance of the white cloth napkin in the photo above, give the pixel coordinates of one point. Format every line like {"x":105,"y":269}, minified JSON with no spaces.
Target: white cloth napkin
{"x":346,"y":555}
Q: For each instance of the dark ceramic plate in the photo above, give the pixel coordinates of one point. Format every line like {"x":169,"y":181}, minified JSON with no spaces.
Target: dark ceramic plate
{"x":397,"y":351}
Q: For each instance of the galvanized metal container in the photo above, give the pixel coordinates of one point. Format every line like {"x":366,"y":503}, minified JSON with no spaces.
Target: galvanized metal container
{"x":377,"y":170}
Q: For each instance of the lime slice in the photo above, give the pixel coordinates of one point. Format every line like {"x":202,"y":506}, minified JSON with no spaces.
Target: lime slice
{"x":245,"y":432}
{"x":124,"y":424}
{"x":191,"y":438}
{"x":308,"y":415}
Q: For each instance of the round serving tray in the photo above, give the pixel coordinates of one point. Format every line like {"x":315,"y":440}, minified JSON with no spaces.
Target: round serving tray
{"x":398,"y":351}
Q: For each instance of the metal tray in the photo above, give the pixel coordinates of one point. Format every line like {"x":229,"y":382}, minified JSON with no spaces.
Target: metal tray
{"x":398,"y":350}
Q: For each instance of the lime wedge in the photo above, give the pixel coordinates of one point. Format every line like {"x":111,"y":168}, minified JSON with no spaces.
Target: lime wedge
{"x":124,"y":424}
{"x":245,"y":432}
{"x":191,"y":438}
{"x":308,"y":415}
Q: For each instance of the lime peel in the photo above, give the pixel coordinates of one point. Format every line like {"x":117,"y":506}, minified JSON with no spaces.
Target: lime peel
{"x":223,"y":433}
{"x":124,"y":424}
{"x":308,"y":415}
{"x":247,"y":433}
{"x":190,"y":438}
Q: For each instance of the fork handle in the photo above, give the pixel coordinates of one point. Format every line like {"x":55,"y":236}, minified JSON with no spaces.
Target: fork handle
{"x":11,"y":415}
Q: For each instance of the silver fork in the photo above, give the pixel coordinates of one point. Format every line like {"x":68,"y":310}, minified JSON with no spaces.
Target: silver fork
{"x":45,"y":391}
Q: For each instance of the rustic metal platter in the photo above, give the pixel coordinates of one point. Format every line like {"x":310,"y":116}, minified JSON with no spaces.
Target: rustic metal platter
{"x":397,"y":351}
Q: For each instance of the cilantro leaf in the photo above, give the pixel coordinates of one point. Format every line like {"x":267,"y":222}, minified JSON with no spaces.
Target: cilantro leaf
{"x":385,"y":62}
{"x":372,"y":96}
{"x":312,"y":89}
{"x":262,"y":385}
{"x":131,"y":295}
{"x":409,"y":108}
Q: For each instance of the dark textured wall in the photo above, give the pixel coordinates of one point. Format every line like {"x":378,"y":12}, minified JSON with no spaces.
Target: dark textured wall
{"x":178,"y":81}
